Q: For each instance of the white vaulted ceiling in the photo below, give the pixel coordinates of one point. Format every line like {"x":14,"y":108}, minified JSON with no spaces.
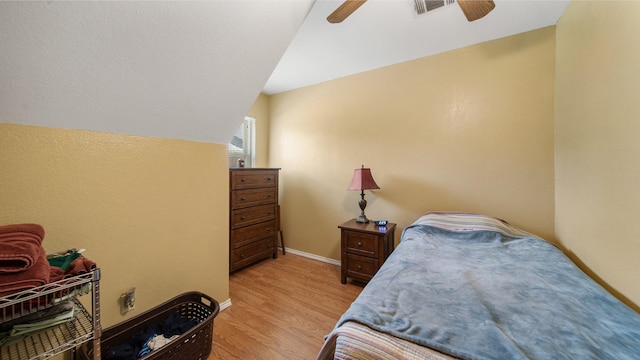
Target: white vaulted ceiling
{"x":385,"y":32}
{"x":191,"y":70}
{"x":174,"y":69}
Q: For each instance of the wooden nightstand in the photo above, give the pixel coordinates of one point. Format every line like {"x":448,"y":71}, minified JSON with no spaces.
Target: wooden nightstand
{"x":365,"y":247}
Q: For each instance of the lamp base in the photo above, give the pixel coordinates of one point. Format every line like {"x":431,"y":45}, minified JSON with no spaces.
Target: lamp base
{"x":363,"y":205}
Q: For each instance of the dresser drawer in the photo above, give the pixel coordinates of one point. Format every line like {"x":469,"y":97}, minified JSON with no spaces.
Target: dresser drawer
{"x":248,"y":254}
{"x":360,"y":267}
{"x":253,"y":197}
{"x":246,"y":235}
{"x":252,"y":215}
{"x":253,"y":179}
{"x":362,"y":244}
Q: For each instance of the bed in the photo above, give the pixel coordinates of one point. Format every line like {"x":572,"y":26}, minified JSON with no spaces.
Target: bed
{"x":469,"y":286}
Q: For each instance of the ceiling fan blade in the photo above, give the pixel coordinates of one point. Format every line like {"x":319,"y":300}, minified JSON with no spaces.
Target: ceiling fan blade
{"x":344,"y":10}
{"x":475,"y":9}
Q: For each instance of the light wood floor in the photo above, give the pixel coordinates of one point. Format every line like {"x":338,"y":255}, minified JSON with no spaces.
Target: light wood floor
{"x":281,"y":309}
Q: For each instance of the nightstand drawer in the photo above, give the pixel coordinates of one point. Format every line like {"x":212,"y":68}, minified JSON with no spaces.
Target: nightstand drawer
{"x":361,"y":267}
{"x":362,"y":244}
{"x":253,"y":197}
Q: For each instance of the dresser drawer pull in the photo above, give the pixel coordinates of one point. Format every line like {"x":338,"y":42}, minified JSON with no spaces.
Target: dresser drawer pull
{"x":268,"y":230}
{"x":359,"y":243}
{"x":241,"y":256}
{"x":269,"y":179}
{"x":268,"y":195}
{"x":242,"y":217}
{"x":359,"y":267}
{"x":242,"y":199}
{"x":243,"y":180}
{"x":269,"y":212}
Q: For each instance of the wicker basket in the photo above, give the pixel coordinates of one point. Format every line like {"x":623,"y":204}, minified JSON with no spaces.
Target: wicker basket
{"x":195,"y":344}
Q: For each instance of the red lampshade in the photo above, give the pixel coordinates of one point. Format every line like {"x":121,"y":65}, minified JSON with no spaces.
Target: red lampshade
{"x":363,"y":180}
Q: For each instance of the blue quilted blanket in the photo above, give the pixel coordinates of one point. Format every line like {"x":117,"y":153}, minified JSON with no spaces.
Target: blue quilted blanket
{"x":476,"y":288}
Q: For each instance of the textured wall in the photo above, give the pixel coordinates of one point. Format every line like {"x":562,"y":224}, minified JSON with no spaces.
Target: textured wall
{"x":468,"y":130}
{"x":170,"y":69}
{"x":597,"y":133}
{"x":153,"y":213}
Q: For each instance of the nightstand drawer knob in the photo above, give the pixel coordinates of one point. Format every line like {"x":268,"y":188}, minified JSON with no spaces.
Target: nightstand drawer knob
{"x":242,"y":217}
{"x":359,"y":267}
{"x":359,"y":243}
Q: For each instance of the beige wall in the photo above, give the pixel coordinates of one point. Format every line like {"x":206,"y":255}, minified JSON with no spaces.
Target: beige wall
{"x":598,"y":139}
{"x":153,"y":213}
{"x":260,"y":112}
{"x":468,"y":130}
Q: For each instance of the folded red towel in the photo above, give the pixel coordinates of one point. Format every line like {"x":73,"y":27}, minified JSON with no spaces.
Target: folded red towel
{"x":20,"y":246}
{"x":18,"y":253}
{"x":34,"y":229}
{"x":37,"y":275}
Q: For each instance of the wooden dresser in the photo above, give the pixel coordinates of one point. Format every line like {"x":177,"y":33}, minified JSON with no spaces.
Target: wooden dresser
{"x":253,"y":202}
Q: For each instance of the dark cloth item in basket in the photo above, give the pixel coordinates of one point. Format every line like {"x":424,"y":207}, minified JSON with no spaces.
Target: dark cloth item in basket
{"x":132,"y":348}
{"x":176,"y":325}
{"x":20,"y":247}
{"x":137,"y":346}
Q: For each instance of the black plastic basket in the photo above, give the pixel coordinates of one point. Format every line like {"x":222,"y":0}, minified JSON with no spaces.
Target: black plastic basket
{"x":194,"y":344}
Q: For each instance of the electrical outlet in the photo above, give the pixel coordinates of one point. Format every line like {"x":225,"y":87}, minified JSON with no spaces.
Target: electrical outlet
{"x":128,"y":301}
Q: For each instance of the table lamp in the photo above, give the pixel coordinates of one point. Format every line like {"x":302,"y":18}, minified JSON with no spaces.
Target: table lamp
{"x":362,"y":180}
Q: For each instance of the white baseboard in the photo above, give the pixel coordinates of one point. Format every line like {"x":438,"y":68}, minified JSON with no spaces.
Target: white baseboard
{"x":225,"y":304}
{"x":314,"y":257}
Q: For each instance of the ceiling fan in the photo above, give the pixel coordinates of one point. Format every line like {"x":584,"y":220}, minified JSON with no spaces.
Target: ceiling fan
{"x":472,"y":9}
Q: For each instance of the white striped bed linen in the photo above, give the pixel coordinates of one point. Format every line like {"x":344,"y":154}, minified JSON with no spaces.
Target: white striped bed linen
{"x":463,"y":222}
{"x":354,"y":341}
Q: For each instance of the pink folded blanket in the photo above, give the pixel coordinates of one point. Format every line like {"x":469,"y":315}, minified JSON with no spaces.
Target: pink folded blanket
{"x":20,"y":246}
